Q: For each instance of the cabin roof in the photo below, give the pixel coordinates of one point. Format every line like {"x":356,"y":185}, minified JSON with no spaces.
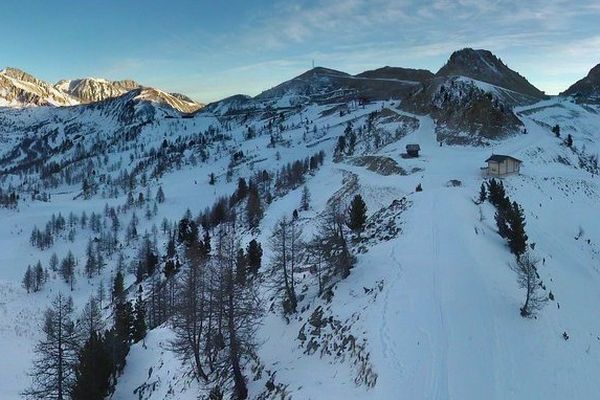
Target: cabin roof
{"x":413,"y":147}
{"x":501,"y":158}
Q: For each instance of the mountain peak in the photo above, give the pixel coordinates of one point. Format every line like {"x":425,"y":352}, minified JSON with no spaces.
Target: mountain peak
{"x":21,"y":89}
{"x":89,"y":90}
{"x":321,"y":71}
{"x":483,"y":65}
{"x":586,"y":89}
{"x":398,"y":73}
{"x":19,"y":74}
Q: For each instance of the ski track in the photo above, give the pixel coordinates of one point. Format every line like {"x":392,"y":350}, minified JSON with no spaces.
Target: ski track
{"x":389,"y":345}
{"x":440,"y":380}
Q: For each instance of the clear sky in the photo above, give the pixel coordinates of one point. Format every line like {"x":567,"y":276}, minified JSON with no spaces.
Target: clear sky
{"x":213,"y":49}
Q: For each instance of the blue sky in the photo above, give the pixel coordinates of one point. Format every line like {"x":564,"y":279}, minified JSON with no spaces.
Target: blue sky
{"x":212,"y":49}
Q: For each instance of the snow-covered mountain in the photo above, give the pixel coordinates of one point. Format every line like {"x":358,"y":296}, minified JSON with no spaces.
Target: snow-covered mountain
{"x":20,"y":89}
{"x":429,"y":310}
{"x":482,"y":65}
{"x":586,"y":90}
{"x":323,"y":85}
{"x":472,"y":98}
{"x":89,"y":90}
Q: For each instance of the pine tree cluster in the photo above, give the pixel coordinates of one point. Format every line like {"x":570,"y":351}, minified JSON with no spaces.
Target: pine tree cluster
{"x":510,"y":218}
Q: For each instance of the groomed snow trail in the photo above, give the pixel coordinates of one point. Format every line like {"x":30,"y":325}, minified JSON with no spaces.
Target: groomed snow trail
{"x":437,"y":310}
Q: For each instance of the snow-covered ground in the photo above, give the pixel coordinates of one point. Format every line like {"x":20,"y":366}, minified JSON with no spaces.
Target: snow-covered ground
{"x":442,"y":319}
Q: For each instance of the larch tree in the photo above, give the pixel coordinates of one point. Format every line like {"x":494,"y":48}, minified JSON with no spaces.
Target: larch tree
{"x":332,"y":244}
{"x":287,"y":248}
{"x":56,"y":354}
{"x":91,"y":320}
{"x":188,"y":321}
{"x":241,"y":310}
{"x":528,"y":279}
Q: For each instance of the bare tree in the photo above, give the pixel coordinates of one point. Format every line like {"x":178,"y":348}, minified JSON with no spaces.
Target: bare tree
{"x":287,"y":247}
{"x":241,"y":310}
{"x":190,"y":312}
{"x":528,"y":279}
{"x":331,"y":242}
{"x":56,"y":353}
{"x":91,"y":320}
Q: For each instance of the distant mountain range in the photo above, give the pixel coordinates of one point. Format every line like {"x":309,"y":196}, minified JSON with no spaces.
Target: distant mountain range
{"x":20,"y":89}
{"x":474,"y":93}
{"x":472,"y":96}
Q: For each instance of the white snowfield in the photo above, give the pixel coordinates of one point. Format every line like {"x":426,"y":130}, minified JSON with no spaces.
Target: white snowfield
{"x":436,"y":307}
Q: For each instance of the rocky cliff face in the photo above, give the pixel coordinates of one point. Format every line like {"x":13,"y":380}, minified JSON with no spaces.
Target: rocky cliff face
{"x":472,"y":98}
{"x":484,"y":66}
{"x":20,"y":89}
{"x":90,"y":90}
{"x":586,"y":90}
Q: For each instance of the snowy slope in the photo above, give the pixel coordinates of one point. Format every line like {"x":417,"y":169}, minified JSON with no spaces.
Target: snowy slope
{"x":433,"y":308}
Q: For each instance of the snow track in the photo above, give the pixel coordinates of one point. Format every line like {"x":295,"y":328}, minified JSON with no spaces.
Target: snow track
{"x":387,"y":336}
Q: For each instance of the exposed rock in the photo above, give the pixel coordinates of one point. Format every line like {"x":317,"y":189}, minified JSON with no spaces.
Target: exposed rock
{"x":586,"y":90}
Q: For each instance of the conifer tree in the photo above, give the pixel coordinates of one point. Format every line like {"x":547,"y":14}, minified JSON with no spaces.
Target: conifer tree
{"x":139,"y":320}
{"x":241,"y":264}
{"x":39,"y":277}
{"x":67,"y":269}
{"x":242,"y":189}
{"x":118,"y":291}
{"x":482,"y":193}
{"x":160,"y":195}
{"x":91,"y":263}
{"x":54,"y":262}
{"x":254,"y":211}
{"x":517,"y":238}
{"x":501,"y":218}
{"x":124,"y":318}
{"x":28,"y":279}
{"x":254,"y":256}
{"x":358,"y":214}
{"x":93,"y":370}
{"x":305,"y":200}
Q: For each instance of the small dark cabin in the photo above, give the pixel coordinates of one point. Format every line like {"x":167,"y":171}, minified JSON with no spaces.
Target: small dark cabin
{"x":413,"y":150}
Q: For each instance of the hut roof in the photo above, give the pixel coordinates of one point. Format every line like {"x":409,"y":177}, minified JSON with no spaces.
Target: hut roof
{"x":500,"y":158}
